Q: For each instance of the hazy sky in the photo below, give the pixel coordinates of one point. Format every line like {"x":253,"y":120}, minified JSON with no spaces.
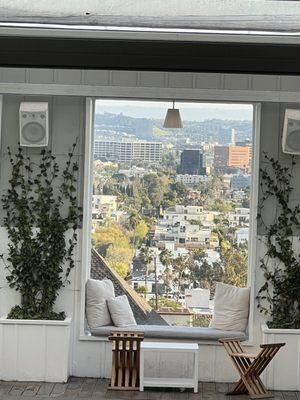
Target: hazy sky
{"x":189,"y":111}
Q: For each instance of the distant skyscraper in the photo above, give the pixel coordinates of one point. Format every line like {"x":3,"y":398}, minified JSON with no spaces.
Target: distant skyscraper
{"x":191,"y":162}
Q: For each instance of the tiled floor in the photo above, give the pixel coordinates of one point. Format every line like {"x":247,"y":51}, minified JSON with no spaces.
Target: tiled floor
{"x":87,"y":388}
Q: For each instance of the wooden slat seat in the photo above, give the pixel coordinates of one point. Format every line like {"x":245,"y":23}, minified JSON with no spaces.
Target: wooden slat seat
{"x":250,"y":367}
{"x":125,"y":372}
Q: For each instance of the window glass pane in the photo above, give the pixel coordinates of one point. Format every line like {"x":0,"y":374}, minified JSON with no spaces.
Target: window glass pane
{"x":170,"y":207}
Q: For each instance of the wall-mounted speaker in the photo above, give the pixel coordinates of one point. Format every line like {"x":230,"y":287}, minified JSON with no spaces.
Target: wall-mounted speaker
{"x":34,"y":124}
{"x":291,"y":132}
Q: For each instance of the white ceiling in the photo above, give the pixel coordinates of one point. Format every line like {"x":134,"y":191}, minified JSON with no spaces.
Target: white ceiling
{"x":273,"y":15}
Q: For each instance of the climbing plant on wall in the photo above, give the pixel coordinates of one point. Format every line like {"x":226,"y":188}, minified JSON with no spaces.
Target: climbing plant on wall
{"x":41,"y":218}
{"x":279,"y":296}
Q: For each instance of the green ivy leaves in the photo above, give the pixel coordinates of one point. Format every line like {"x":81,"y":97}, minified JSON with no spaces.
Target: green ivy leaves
{"x":279,"y":296}
{"x":40,"y":208}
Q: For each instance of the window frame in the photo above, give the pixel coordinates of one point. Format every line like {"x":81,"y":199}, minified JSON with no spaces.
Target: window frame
{"x":87,"y":199}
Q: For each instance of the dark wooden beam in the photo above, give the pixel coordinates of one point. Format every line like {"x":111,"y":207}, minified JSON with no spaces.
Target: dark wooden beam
{"x":149,"y":55}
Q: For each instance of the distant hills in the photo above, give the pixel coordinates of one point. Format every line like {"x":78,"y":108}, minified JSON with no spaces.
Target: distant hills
{"x":189,"y":111}
{"x":214,"y":129}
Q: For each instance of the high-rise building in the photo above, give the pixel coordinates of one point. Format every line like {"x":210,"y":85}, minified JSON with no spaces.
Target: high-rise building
{"x":127,"y":151}
{"x":191,"y":162}
{"x":232,"y":157}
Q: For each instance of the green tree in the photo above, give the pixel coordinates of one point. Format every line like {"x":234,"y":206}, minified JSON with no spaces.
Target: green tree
{"x":142,"y":290}
{"x":233,"y":256}
{"x":234,"y":259}
{"x":204,"y":274}
{"x":140,"y":232}
{"x":222,"y":206}
{"x":155,"y":187}
{"x":180,"y":273}
{"x":114,"y":245}
{"x":164,"y":302}
{"x":119,"y":256}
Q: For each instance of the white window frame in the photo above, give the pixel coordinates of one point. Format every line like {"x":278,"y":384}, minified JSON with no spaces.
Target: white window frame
{"x":87,"y":205}
{"x":87,"y":202}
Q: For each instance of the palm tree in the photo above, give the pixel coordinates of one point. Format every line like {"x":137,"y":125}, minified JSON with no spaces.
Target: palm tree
{"x":134,"y":219}
{"x":165,"y":258}
{"x":146,"y":256}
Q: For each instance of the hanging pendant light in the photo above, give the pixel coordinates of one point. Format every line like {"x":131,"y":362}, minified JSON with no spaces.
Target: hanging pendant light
{"x":173,"y":119}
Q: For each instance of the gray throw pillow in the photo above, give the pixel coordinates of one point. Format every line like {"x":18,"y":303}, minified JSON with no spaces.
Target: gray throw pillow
{"x":97,"y":293}
{"x":120,"y":311}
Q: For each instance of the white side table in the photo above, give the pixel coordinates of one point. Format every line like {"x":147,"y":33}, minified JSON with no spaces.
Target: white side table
{"x":164,"y":347}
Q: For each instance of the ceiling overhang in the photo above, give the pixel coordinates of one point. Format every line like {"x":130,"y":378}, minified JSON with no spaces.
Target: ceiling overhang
{"x":155,"y":55}
{"x":41,"y":45}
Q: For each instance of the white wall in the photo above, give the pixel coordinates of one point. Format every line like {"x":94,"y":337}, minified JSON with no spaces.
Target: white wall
{"x":67,"y":115}
{"x":66,"y":124}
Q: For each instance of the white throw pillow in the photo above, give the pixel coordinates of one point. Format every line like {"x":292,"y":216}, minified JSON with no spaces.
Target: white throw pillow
{"x":97,"y":293}
{"x":120,"y":311}
{"x":231,"y":308}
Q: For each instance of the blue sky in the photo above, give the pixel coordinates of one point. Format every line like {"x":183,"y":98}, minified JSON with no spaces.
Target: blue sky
{"x":189,"y":111}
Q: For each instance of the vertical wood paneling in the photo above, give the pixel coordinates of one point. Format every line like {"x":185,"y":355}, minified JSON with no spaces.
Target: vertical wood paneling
{"x":270,"y":129}
{"x":17,"y":75}
{"x":264,"y":82}
{"x":290,"y":83}
{"x":124,"y":78}
{"x":67,"y":115}
{"x":179,"y":80}
{"x":206,"y":363}
{"x":96,"y":77}
{"x":33,"y":352}
{"x":56,"y":343}
{"x":10,"y":123}
{"x":68,"y":76}
{"x":235,"y":81}
{"x":31,"y":343}
{"x":283,"y":372}
{"x":208,"y":81}
{"x":223,"y":367}
{"x":152,"y":79}
{"x":67,"y":124}
{"x":37,"y":75}
{"x":8,"y":351}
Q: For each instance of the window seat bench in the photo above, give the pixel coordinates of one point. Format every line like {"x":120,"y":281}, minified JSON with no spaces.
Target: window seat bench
{"x":173,"y":332}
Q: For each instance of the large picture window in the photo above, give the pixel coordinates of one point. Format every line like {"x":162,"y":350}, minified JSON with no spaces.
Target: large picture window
{"x":171,"y":205}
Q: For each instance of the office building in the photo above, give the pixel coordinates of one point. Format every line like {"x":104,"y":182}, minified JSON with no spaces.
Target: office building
{"x":191,"y":162}
{"x":128,"y":151}
{"x":232,"y":157}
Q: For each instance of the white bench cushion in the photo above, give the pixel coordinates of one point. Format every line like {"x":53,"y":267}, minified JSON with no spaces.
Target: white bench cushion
{"x":172,"y":332}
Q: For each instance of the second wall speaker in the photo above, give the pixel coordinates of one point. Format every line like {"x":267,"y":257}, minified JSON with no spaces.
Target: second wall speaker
{"x":291,"y":132}
{"x":34,"y":124}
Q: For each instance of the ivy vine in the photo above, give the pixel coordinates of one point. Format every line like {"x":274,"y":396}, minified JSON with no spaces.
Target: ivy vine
{"x":279,"y":297}
{"x":40,"y":212}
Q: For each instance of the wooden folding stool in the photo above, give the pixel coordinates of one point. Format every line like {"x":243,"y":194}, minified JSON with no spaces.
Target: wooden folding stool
{"x":125,"y":360}
{"x":250,"y":367}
